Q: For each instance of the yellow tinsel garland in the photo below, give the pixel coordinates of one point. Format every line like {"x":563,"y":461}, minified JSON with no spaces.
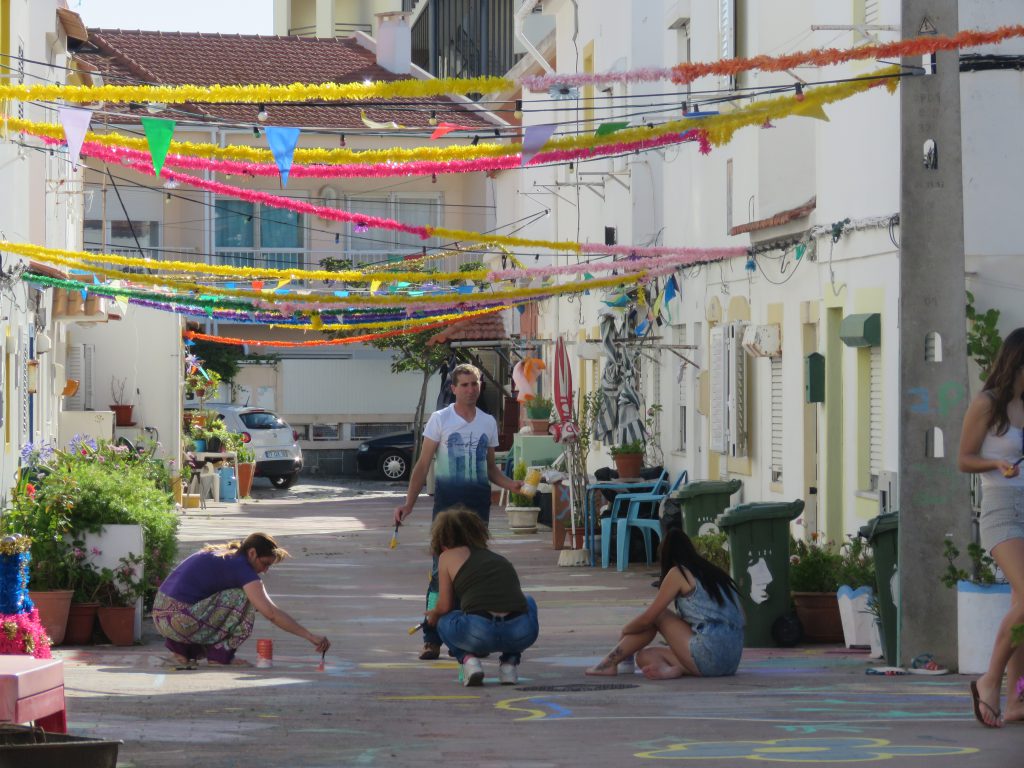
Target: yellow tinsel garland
{"x":719,"y":128}
{"x":241,"y":273}
{"x":332,"y":299}
{"x":257,"y":94}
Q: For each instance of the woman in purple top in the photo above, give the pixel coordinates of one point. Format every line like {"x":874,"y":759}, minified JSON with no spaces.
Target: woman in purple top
{"x":207,"y":605}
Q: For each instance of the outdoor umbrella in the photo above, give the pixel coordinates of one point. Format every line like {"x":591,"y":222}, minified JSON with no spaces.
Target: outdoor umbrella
{"x":619,"y":419}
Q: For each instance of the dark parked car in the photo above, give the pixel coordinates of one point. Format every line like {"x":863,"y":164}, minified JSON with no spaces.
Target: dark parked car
{"x":390,"y":455}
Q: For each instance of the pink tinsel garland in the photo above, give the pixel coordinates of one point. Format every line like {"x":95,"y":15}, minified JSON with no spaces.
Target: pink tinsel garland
{"x":23,"y":633}
{"x":384,"y":170}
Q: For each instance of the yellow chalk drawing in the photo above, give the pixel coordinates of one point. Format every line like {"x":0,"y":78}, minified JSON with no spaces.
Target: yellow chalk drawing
{"x":820,"y":749}
{"x":508,"y":706}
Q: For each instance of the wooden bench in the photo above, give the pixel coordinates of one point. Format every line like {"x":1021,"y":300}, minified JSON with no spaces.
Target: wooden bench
{"x":32,"y":690}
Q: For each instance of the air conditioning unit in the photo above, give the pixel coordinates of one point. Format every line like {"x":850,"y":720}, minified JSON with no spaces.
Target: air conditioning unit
{"x":763,"y":340}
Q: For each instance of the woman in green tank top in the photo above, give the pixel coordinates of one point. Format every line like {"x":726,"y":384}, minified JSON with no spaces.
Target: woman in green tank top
{"x":481,"y":608}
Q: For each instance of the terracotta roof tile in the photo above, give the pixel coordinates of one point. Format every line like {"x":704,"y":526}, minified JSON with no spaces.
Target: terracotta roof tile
{"x":180,"y":58}
{"x":483,"y":328}
{"x":783,"y":217}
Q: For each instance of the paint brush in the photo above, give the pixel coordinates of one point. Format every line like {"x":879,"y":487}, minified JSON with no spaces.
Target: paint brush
{"x":394,"y":539}
{"x":417,"y":628}
{"x":323,"y":658}
{"x":1009,"y":472}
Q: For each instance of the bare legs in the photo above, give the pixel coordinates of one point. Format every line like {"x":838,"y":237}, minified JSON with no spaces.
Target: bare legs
{"x":626,"y":647}
{"x":655,"y":663}
{"x":1009,"y":555}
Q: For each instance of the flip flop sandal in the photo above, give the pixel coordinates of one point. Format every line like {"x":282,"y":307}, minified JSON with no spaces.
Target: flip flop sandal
{"x":978,"y":704}
{"x":887,"y":671}
{"x":925,"y":664}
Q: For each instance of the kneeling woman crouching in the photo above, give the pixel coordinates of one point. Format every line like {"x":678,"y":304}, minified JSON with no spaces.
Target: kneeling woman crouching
{"x":206,"y":607}
{"x":704,"y":635}
{"x":481,"y":608}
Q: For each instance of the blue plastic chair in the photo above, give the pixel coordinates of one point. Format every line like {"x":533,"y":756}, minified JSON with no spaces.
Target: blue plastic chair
{"x":622,"y":499}
{"x":647,"y":525}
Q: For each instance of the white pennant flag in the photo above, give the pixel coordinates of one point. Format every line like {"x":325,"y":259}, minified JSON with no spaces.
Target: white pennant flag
{"x":76,"y":125}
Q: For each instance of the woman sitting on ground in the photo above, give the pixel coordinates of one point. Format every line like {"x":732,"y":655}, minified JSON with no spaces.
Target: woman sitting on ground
{"x":705,"y":639}
{"x":493,"y":614}
{"x":206,"y":607}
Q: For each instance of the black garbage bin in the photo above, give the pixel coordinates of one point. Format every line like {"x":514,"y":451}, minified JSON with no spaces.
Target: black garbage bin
{"x":882,"y":533}
{"x":759,"y":550}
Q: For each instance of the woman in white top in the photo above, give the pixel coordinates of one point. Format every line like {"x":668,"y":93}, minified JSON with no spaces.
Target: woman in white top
{"x":991,"y":443}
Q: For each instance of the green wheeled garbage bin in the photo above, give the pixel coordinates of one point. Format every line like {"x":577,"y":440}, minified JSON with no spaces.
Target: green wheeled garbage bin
{"x":882,"y":533}
{"x":759,"y":551}
{"x":702,"y":502}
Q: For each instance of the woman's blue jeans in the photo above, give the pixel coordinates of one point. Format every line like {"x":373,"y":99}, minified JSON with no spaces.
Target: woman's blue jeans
{"x":467,"y":633}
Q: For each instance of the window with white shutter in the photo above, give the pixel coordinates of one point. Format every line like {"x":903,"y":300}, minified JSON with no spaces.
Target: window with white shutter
{"x":79,"y":367}
{"x":718,"y":372}
{"x":682,"y":373}
{"x":776,"y":422}
{"x":727,"y":35}
{"x":875,"y":414}
{"x":736,"y":381}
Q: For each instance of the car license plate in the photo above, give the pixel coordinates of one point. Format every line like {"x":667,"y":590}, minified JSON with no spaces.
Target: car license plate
{"x":277,"y":454}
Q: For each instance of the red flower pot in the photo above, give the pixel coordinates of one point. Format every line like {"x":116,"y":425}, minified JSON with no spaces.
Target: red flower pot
{"x":81,"y":621}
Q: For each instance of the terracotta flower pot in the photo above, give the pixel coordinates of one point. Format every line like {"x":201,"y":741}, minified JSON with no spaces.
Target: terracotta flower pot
{"x":628,"y":464}
{"x":122,"y":414}
{"x":81,"y":620}
{"x":246,"y":470}
{"x":118,"y":623}
{"x":819,"y":616}
{"x":53,"y":606}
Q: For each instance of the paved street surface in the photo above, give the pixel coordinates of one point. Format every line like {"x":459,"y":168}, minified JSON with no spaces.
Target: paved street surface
{"x":376,"y":704}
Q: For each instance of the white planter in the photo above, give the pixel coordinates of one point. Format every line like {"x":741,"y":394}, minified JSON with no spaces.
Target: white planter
{"x":522,"y":519}
{"x":853,"y":610}
{"x":876,"y":639}
{"x":979,"y":610}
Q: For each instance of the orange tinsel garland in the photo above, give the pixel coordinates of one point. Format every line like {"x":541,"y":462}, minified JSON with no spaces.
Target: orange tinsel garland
{"x":915,"y":46}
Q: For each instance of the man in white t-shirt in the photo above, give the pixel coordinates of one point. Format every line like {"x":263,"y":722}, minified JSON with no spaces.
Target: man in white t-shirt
{"x":463,"y":438}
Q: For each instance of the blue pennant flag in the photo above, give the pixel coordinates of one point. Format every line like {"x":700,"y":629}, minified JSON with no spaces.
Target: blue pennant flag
{"x":282,"y":143}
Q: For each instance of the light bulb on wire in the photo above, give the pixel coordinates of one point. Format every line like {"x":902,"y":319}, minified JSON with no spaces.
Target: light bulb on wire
{"x":433,"y":118}
{"x":518,"y":114}
{"x":262,"y":115}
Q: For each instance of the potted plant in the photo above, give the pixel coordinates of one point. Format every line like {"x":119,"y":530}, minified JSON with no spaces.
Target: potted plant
{"x":119,"y":591}
{"x":521,"y":511}
{"x":628,"y":458}
{"x":981,"y":602}
{"x":856,"y":588}
{"x":86,"y":582}
{"x":121,"y":408}
{"x":200,"y":384}
{"x":538,"y":411}
{"x":814,"y":580}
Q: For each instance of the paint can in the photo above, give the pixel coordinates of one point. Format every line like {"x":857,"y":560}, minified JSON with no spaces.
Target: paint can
{"x":264,"y":653}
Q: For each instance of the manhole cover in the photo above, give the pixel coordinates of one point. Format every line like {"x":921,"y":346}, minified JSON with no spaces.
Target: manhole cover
{"x":578,"y":687}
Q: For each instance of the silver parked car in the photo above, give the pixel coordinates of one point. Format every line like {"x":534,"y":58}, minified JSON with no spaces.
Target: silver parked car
{"x":278,"y":455}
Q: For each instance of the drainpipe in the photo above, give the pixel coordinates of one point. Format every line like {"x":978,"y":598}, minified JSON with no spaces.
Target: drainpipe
{"x":525,"y":10}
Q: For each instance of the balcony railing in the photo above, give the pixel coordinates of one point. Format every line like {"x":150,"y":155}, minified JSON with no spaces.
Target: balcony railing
{"x":340,"y":30}
{"x":465,"y":38}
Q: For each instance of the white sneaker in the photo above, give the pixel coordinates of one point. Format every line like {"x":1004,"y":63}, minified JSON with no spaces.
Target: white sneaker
{"x":508,"y":673}
{"x":472,"y":671}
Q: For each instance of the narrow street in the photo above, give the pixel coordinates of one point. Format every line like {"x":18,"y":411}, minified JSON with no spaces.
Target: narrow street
{"x":377,"y":704}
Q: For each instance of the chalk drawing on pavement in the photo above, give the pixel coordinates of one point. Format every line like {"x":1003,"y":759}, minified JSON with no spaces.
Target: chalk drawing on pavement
{"x":834,"y":749}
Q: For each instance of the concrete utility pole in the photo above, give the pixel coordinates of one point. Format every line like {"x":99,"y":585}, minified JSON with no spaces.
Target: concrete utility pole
{"x":933,"y":495}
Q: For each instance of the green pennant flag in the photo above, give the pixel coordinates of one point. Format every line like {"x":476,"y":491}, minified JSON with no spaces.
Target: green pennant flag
{"x":159,"y":133}
{"x":607,"y":128}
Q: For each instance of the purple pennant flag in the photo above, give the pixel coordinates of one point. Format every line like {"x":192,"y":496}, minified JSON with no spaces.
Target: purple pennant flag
{"x":76,"y":124}
{"x":282,"y":143}
{"x":536,"y":136}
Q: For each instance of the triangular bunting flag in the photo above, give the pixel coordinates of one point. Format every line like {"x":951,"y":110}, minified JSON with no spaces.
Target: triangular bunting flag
{"x":159,"y":133}
{"x":445,"y":128}
{"x":282,"y":143}
{"x":375,"y":125}
{"x":535,"y":137}
{"x":811,"y":110}
{"x":606,"y":129}
{"x":76,"y":125}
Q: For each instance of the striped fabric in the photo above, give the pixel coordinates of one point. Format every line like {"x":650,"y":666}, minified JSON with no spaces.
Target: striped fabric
{"x":619,"y":420}
{"x":213,"y":628}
